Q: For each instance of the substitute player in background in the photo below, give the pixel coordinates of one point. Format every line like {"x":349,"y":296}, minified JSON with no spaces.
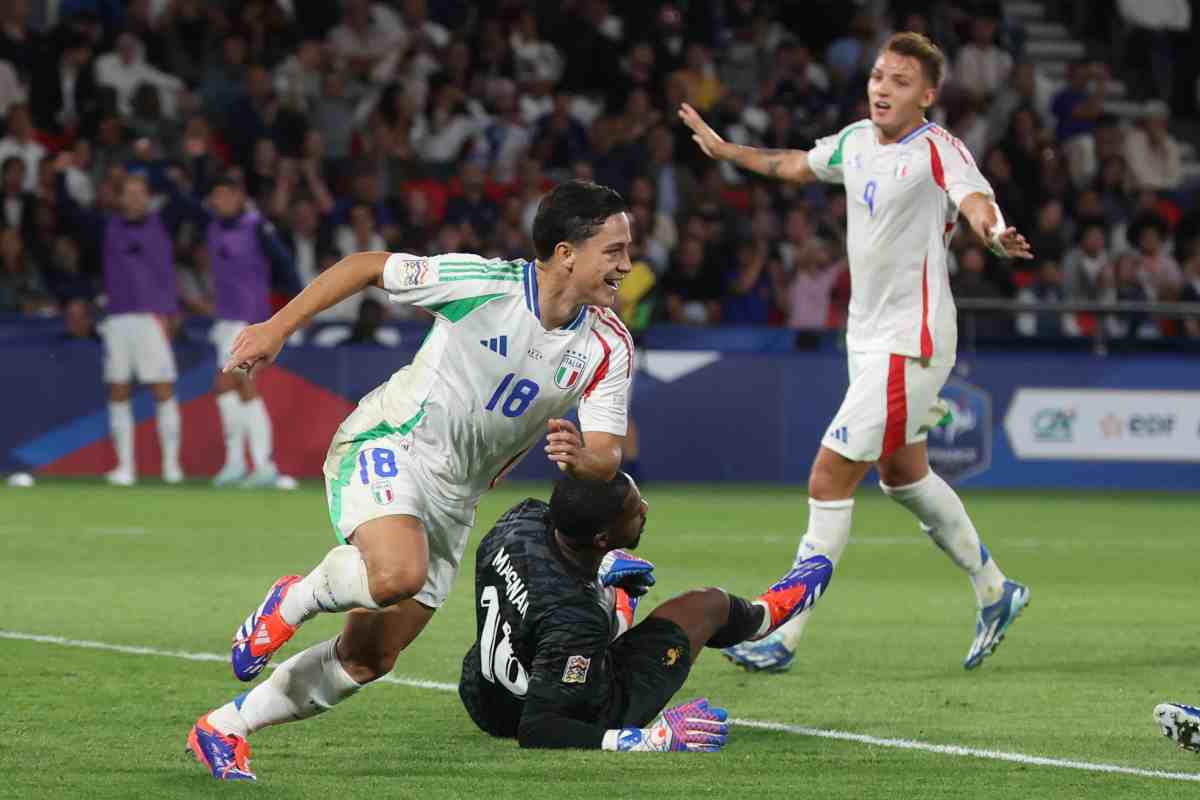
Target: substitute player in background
{"x":906,"y":180}
{"x":556,"y":662}
{"x":243,"y":247}
{"x":138,"y":254}
{"x":514,"y":346}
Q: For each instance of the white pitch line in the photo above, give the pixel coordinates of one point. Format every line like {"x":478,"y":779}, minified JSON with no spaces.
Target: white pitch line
{"x":797,"y":730}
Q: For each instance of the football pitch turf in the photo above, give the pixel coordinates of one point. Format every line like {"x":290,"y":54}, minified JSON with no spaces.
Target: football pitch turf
{"x":157,"y":578}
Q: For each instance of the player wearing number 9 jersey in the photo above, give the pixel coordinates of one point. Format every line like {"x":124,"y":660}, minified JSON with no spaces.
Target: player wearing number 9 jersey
{"x":514,"y":346}
{"x":906,"y":182}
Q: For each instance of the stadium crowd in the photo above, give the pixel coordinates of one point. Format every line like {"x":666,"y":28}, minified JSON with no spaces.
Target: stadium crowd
{"x":437,"y":125}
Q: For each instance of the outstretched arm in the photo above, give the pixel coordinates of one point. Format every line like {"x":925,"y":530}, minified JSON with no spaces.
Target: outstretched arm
{"x":988,"y":224}
{"x":259,"y":344}
{"x":786,"y":165}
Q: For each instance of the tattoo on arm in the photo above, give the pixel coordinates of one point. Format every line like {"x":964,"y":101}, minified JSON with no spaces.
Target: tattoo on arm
{"x":773,"y":167}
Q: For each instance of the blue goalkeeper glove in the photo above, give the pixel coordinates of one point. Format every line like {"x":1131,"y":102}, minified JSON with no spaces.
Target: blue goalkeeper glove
{"x":692,"y":727}
{"x":633,"y":574}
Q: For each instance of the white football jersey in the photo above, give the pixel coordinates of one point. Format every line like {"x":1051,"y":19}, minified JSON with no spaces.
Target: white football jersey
{"x":902,"y":202}
{"x":481,"y":388}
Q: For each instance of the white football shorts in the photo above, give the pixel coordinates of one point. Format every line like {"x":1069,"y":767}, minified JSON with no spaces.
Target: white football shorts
{"x":886,"y":406}
{"x":137,"y":348}
{"x":372,"y":472}
{"x":222,"y":336}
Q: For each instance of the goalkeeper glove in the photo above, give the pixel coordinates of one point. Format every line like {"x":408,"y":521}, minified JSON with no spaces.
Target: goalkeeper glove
{"x":694,"y":727}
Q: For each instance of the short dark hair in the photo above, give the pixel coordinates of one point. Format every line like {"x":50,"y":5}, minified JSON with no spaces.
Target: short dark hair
{"x":572,"y":212}
{"x":579,"y":509}
{"x":921,"y":47}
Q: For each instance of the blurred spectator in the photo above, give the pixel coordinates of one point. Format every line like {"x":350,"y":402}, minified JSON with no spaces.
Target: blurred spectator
{"x":805,"y":291}
{"x":506,"y":139}
{"x":1086,"y":266}
{"x":1191,"y":294}
{"x":692,"y":288}
{"x":1159,"y":272}
{"x":1046,"y":288}
{"x":18,"y":44}
{"x":15,"y":201}
{"x":12,"y":90}
{"x":448,"y":123}
{"x":1155,"y":158}
{"x":1051,"y":235}
{"x":1114,"y":190}
{"x":368,"y":330}
{"x":21,"y":284}
{"x":369,"y":41}
{"x":297,"y":79}
{"x":365,"y":189}
{"x":186,"y":38}
{"x":536,"y":60}
{"x":851,"y":55}
{"x":1076,"y":109}
{"x":335,"y":116}
{"x":79,"y":320}
{"x":1128,"y":287}
{"x":701,"y":86}
{"x":65,"y":277}
{"x":197,"y":295}
{"x":1025,"y":151}
{"x":19,"y":141}
{"x":561,"y":140}
{"x":418,"y":27}
{"x":972,"y":281}
{"x":1026,"y":88}
{"x":983,"y":67}
{"x":125,"y":69}
{"x":471,"y":208}
{"x":63,"y":89}
{"x":998,"y":170}
{"x":971,"y":126}
{"x":748,"y":285}
{"x":673,"y":185}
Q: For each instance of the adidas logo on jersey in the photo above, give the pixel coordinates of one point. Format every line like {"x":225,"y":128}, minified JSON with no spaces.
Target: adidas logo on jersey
{"x":497,"y":344}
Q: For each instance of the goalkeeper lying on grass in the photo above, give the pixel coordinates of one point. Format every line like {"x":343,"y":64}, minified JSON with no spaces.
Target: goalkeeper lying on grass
{"x":558,"y":662}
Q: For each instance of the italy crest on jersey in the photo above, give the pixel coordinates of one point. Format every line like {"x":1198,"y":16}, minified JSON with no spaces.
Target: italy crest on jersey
{"x":382,"y":491}
{"x":569,"y":369}
{"x":902,"y":166}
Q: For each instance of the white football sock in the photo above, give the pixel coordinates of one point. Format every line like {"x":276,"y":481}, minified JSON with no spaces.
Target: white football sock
{"x":309,"y":683}
{"x":258,"y":426}
{"x":339,"y":583}
{"x":120,"y":423}
{"x":229,"y":406}
{"x":170,"y":431}
{"x":944,"y":518}
{"x":827,"y":535}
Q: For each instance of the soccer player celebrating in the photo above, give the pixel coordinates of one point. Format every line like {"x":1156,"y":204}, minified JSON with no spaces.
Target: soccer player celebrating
{"x":556,"y":662}
{"x":906,"y":181}
{"x":514,"y":346}
{"x":242,"y":249}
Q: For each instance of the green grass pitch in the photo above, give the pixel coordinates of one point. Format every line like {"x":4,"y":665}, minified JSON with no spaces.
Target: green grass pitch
{"x":1112,"y":629}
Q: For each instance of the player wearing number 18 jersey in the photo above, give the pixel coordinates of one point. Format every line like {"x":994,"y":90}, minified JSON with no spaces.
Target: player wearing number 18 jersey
{"x":907,"y":180}
{"x":514,"y":346}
